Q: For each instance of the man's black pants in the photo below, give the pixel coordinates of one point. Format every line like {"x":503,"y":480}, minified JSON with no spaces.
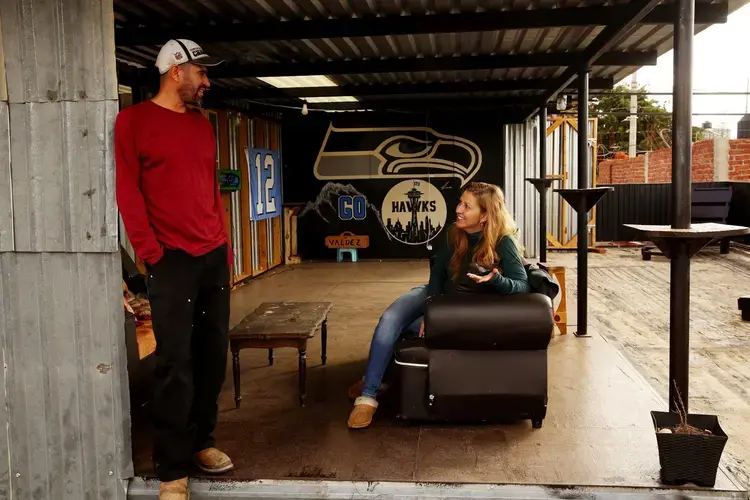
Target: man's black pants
{"x":190,"y":311}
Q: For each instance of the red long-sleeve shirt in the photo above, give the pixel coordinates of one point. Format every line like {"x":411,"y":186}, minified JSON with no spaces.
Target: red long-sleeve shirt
{"x":167,"y":189}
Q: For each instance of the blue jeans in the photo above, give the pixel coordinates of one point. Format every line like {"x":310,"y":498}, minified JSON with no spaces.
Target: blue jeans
{"x":405,"y":315}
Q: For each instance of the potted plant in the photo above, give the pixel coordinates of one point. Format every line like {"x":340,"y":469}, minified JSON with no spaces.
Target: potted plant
{"x":690,"y":446}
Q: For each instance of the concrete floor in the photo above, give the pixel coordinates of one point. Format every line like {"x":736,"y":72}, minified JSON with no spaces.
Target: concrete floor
{"x":598,"y":429}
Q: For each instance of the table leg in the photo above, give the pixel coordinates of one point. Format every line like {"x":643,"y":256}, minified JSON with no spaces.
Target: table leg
{"x":270,"y":357}
{"x":324,"y":341}
{"x":302,"y":373}
{"x":236,"y":373}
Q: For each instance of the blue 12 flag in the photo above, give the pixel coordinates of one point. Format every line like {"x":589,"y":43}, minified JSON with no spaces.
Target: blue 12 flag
{"x":264,"y":172}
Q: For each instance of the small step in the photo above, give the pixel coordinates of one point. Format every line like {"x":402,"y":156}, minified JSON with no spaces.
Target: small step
{"x":226,"y":489}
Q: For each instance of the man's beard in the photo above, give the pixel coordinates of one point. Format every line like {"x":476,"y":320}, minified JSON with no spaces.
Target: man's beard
{"x":190,"y":94}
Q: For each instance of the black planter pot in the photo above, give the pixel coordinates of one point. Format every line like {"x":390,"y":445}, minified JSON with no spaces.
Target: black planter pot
{"x":689,"y":458}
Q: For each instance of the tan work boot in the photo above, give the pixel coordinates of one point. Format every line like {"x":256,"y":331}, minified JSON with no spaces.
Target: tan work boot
{"x":213,"y":461}
{"x":362,"y":413}
{"x":174,"y":490}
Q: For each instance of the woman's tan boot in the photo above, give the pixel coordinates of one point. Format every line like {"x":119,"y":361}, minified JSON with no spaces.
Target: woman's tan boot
{"x":362,"y":413}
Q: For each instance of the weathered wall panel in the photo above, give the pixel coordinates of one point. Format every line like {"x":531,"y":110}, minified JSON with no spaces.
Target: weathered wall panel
{"x":4,"y":417}
{"x":63,"y":177}
{"x":64,"y":406}
{"x":63,"y":339}
{"x":59,"y":50}
{"x":6,"y":198}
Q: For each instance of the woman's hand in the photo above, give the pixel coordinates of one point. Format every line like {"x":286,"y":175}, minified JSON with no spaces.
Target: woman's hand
{"x":421,"y":330}
{"x":485,"y":278}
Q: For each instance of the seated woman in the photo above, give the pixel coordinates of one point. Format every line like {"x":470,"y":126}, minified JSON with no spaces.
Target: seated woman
{"x":481,"y":255}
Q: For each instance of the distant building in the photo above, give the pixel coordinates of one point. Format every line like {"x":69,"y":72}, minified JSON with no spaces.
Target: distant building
{"x":711,"y":132}
{"x":743,"y":127}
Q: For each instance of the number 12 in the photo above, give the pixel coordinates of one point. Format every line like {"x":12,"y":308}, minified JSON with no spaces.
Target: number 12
{"x":270,"y":201}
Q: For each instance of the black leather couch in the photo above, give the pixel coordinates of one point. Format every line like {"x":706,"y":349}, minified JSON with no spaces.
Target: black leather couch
{"x":483,"y":357}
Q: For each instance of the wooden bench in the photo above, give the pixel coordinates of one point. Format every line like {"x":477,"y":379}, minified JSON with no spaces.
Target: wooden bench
{"x":280,"y":324}
{"x":708,"y":204}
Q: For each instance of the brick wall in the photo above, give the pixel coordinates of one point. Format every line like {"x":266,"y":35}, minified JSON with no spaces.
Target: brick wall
{"x":657,"y":165}
{"x":739,"y":160}
{"x":703,"y":161}
{"x":660,"y":166}
{"x":629,"y":171}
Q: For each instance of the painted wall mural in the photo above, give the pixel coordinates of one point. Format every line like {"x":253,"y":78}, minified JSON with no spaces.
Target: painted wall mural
{"x":397,"y":152}
{"x":392,"y":178}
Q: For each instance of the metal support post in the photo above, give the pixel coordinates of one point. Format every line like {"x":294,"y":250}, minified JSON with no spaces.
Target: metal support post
{"x":583,"y":183}
{"x":679,"y":287}
{"x":543,"y":175}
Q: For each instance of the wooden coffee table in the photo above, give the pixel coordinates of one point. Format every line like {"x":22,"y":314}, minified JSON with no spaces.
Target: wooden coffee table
{"x":280,"y":324}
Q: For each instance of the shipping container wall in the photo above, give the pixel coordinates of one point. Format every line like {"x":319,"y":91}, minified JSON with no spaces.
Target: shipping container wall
{"x":521,"y":163}
{"x":256,"y":244}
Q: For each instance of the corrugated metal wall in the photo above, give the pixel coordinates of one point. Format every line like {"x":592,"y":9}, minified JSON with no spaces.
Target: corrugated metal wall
{"x":522,"y":162}
{"x":64,"y":400}
{"x":650,"y":204}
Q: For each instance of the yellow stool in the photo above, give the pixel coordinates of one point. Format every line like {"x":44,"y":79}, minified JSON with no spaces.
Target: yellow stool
{"x":561,"y":314}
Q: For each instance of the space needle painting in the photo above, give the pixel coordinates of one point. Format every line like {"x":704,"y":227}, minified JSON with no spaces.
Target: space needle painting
{"x":414,"y":212}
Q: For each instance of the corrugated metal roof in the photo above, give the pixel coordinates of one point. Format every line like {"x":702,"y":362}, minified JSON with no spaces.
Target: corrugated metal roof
{"x":644,"y":37}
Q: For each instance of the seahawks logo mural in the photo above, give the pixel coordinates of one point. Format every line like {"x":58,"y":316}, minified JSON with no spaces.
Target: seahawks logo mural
{"x":398,"y":152}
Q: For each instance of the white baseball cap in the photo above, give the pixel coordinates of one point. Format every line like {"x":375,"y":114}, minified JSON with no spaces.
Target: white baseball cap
{"x":177,"y":52}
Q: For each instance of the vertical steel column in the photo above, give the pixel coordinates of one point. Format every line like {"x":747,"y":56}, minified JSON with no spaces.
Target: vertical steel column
{"x":543,"y":190}
{"x":583,"y":183}
{"x":679,"y":293}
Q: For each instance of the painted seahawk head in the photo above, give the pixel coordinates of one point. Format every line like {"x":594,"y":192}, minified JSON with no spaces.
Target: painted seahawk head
{"x":399,"y":152}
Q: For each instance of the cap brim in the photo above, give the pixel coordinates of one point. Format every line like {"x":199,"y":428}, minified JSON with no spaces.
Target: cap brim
{"x":207,"y":61}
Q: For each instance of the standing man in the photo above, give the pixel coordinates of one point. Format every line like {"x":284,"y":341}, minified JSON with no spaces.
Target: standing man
{"x":170,"y":202}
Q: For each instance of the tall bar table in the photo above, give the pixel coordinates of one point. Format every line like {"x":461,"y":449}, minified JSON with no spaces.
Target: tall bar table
{"x":582,"y":200}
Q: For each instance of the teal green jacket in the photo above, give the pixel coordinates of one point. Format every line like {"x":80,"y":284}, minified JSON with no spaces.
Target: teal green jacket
{"x":512,"y":277}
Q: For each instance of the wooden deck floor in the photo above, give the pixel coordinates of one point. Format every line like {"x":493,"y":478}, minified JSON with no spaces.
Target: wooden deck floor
{"x":629,"y":307}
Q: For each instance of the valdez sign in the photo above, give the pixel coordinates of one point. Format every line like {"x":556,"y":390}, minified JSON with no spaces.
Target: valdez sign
{"x":347,"y":240}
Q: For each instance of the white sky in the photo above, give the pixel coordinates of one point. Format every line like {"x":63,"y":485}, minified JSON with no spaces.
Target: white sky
{"x":721,"y":63}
